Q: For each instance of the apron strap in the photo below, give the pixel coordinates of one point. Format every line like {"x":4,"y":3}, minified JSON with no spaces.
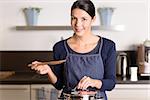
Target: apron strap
{"x":101,"y":44}
{"x":65,"y":44}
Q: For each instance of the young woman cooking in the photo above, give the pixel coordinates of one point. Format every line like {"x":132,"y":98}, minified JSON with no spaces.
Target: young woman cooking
{"x":90,"y":59}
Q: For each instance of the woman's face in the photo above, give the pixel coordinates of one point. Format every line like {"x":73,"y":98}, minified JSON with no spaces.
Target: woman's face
{"x":81,"y":22}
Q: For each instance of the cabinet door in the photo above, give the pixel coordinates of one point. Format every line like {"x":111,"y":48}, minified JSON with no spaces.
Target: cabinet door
{"x":14,"y":92}
{"x":44,"y":92}
{"x":130,"y":92}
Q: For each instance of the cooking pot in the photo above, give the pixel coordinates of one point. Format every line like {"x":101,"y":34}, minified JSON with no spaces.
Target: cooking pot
{"x":81,"y":95}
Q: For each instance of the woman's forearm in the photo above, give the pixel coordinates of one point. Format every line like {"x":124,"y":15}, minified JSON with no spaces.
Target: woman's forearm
{"x":52,"y":77}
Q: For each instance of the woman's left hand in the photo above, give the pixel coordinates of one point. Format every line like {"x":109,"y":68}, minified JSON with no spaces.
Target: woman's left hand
{"x":86,"y":82}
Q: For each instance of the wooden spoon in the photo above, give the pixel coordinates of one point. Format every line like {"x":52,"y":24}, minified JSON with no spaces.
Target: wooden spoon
{"x":55,"y":62}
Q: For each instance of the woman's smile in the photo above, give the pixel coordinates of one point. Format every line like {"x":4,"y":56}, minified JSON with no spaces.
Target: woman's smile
{"x":79,"y":29}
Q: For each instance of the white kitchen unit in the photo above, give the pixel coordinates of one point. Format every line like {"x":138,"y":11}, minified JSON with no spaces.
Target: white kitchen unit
{"x":43,"y":92}
{"x":130,"y":92}
{"x":14,"y":92}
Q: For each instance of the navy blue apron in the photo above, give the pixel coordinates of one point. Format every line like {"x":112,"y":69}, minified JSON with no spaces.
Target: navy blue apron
{"x":78,"y":65}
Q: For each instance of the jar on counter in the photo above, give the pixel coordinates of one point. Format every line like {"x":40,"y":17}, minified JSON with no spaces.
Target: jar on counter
{"x":133,"y":72}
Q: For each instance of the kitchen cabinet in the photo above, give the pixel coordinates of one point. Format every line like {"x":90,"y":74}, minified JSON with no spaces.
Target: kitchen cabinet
{"x":28,"y":92}
{"x":14,"y":92}
{"x":130,"y":92}
{"x":48,"y":92}
{"x":43,"y":92}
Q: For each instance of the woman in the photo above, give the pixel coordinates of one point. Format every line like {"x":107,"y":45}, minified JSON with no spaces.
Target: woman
{"x":90,"y":59}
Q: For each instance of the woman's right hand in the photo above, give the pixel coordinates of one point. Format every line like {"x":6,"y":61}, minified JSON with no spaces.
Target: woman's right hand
{"x":40,"y":68}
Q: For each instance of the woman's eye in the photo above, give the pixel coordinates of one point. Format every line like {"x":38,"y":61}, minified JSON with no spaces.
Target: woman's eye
{"x":72,"y":18}
{"x":84,"y":19}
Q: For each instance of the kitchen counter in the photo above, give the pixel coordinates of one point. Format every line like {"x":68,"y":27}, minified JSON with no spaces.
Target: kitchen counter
{"x":25,"y":78}
{"x":34,"y":78}
{"x":127,"y":81}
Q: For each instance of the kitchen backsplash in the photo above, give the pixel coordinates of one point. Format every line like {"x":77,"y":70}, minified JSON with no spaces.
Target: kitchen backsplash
{"x":18,"y":60}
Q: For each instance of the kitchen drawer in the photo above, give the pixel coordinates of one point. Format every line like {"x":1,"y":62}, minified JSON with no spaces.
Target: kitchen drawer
{"x":43,"y":92}
{"x":14,"y":92}
{"x":130,"y":92}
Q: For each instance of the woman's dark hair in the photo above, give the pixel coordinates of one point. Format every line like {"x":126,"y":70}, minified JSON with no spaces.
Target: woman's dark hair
{"x":85,"y":5}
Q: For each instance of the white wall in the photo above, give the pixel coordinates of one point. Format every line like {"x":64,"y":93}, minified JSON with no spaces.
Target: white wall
{"x":133,"y":14}
{"x":148,"y":19}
